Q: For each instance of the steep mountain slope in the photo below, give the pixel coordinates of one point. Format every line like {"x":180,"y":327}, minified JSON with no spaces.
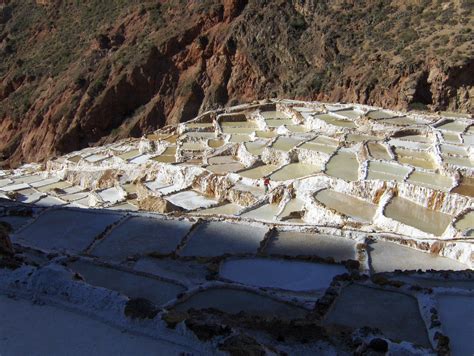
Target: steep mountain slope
{"x":76,"y":73}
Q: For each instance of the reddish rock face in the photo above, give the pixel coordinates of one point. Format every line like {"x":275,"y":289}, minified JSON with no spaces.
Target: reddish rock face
{"x":89,"y":73}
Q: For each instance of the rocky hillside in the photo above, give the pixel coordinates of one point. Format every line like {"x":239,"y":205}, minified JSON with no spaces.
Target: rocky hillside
{"x":77,"y":73}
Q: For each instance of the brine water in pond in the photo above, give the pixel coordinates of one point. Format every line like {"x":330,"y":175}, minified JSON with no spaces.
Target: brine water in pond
{"x":343,"y":165}
{"x":281,"y":274}
{"x":388,"y":257}
{"x":234,"y":301}
{"x":409,"y":213}
{"x":395,"y":314}
{"x":353,"y":207}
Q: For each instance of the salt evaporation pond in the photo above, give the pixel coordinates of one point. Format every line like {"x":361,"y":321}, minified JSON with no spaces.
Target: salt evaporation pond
{"x":258,"y":172}
{"x":415,"y":158}
{"x":234,"y":301}
{"x":291,"y":243}
{"x":388,"y":257}
{"x":412,"y":214}
{"x":334,"y":120}
{"x":466,"y":222}
{"x":129,"y":284}
{"x":281,"y":274}
{"x":226,"y":209}
{"x":67,"y":333}
{"x":188,"y":272}
{"x":69,"y":230}
{"x":191,"y":200}
{"x":395,"y":314}
{"x":215,"y":239}
{"x":466,"y":187}
{"x":343,"y":165}
{"x":353,"y":207}
{"x":295,"y":171}
{"x":141,"y":235}
{"x":285,"y":143}
{"x":386,"y":171}
{"x":378,"y":151}
{"x":265,"y":212}
{"x":456,"y":314}
{"x":255,"y":147}
{"x":431,"y":180}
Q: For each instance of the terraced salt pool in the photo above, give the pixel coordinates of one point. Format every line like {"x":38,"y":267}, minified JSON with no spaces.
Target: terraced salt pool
{"x":353,"y":207}
{"x":281,"y":274}
{"x":216,"y":238}
{"x":334,"y":120}
{"x":456,"y":314}
{"x":415,"y":215}
{"x":234,"y":301}
{"x":226,"y":209}
{"x":295,"y":171}
{"x":140,"y":235}
{"x":431,"y":180}
{"x":258,"y":172}
{"x":466,"y":223}
{"x":378,"y":151}
{"x":388,"y":257}
{"x":129,"y":284}
{"x":466,"y":187}
{"x":395,"y":314}
{"x":344,"y":165}
{"x":256,"y":147}
{"x":291,"y":243}
{"x":266,"y":212}
{"x":191,"y":200}
{"x":415,"y":158}
{"x":285,"y":143}
{"x":65,"y":229}
{"x":386,"y":171}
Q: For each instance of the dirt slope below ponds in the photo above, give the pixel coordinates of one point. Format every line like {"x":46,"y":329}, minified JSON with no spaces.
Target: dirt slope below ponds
{"x":77,"y":74}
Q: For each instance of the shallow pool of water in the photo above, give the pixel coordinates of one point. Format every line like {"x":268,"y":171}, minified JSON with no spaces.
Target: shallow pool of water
{"x":386,"y":171}
{"x":285,"y":143}
{"x":349,"y":113}
{"x":409,"y":213}
{"x":361,"y":138}
{"x":295,"y":171}
{"x":215,"y":143}
{"x":266,"y":212}
{"x":256,"y":147}
{"x":466,"y":187}
{"x":292,"y":243}
{"x":396,"y":314}
{"x":380,"y":114}
{"x":225,"y":168}
{"x":456,"y":314}
{"x":459,"y":161}
{"x":415,"y":158}
{"x":466,"y":222}
{"x":132,"y":285}
{"x":282,"y":274}
{"x":388,"y":257}
{"x":430,"y":180}
{"x":218,"y":238}
{"x":454,"y":126}
{"x":378,"y":151}
{"x":226,"y":209}
{"x":334,"y":120}
{"x":343,"y":165}
{"x":258,"y":172}
{"x":353,"y":207}
{"x":236,"y":138}
{"x":234,"y":301}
